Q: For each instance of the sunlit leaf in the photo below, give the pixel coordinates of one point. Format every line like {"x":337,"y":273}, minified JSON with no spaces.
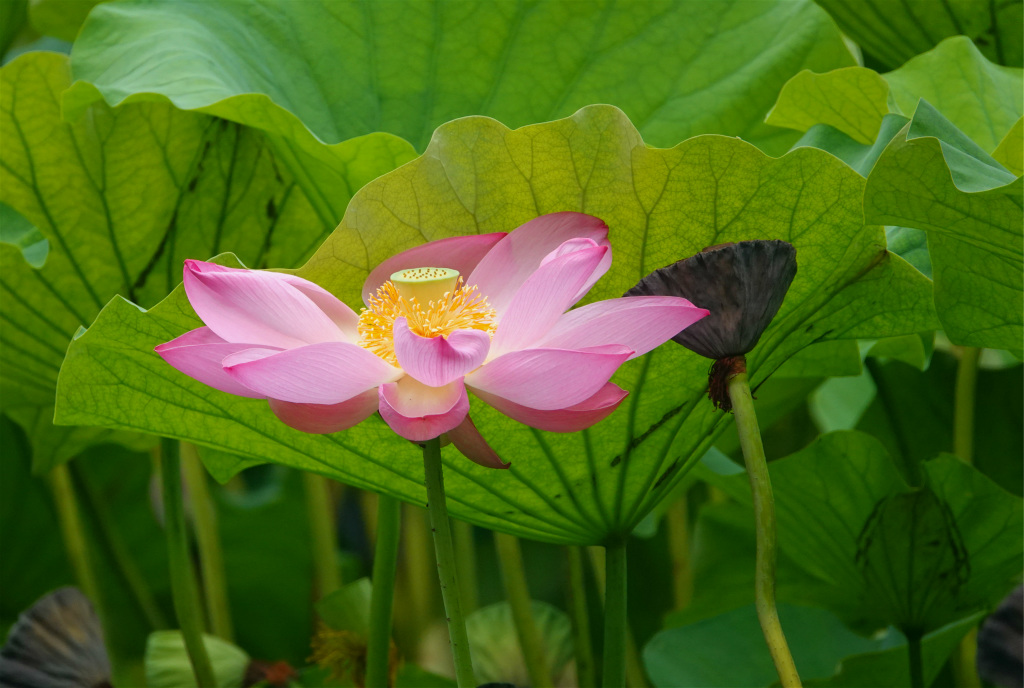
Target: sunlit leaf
{"x":981,"y":98}
{"x":932,"y":177}
{"x":477,"y":176}
{"x":1010,"y":151}
{"x":120,"y":197}
{"x":676,"y":68}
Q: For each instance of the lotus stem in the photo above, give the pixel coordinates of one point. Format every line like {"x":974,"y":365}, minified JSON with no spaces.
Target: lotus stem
{"x":678,"y":529}
{"x":465,"y":555}
{"x":963,"y":412}
{"x":211,"y":558}
{"x":513,"y":573}
{"x":615,"y":621}
{"x":385,"y":562}
{"x":764,"y":521}
{"x":187,"y":605}
{"x":320,"y":509}
{"x":445,"y":551}
{"x":72,"y":530}
{"x":585,"y":670}
{"x":914,"y":656}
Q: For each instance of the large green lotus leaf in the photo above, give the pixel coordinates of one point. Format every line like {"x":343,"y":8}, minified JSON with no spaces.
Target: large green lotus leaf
{"x":932,"y":177}
{"x":893,"y":32}
{"x":703,"y":654}
{"x":982,"y":99}
{"x":111,"y":204}
{"x":877,"y":552}
{"x":478,"y":176}
{"x":59,"y":18}
{"x":348,"y":68}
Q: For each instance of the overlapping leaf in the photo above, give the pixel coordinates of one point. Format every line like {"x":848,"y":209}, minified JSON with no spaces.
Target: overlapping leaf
{"x":847,"y":521}
{"x":121,"y":197}
{"x":478,"y":176}
{"x":931,"y":177}
{"x":676,"y":68}
{"x":980,"y":98}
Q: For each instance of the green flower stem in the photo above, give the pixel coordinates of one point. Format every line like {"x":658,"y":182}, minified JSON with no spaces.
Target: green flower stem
{"x":320,"y":509}
{"x":678,"y":529}
{"x":634,"y":671}
{"x":385,"y":562}
{"x":585,"y":670}
{"x":914,"y":656}
{"x":513,"y":573}
{"x":211,"y":558}
{"x":764,"y":520}
{"x":115,"y":545}
{"x":187,"y":605}
{"x":72,"y":530}
{"x":445,"y":551}
{"x":615,"y":623}
{"x":963,"y":411}
{"x":465,"y":555}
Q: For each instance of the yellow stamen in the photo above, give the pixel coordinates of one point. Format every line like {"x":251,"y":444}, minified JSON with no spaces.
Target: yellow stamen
{"x":462,"y":308}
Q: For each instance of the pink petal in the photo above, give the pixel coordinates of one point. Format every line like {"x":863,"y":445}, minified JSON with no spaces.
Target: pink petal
{"x":436,"y":361}
{"x":199,"y":353}
{"x":547,"y":294}
{"x":549,"y":379}
{"x":571,"y":419}
{"x":460,"y":253}
{"x":325,"y":373}
{"x":638,"y":322}
{"x":257,"y":306}
{"x":468,"y":440}
{"x":321,"y":419}
{"x":418,"y":412}
{"x":513,"y":259}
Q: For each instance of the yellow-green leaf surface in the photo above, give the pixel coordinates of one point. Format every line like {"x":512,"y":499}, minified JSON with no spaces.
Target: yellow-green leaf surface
{"x":933,"y":178}
{"x":122,"y":196}
{"x":893,"y":31}
{"x":1010,"y":152}
{"x":345,"y":68}
{"x":478,"y":176}
{"x":982,"y":99}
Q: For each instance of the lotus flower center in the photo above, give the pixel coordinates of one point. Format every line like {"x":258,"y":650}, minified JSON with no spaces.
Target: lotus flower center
{"x":434,"y":301}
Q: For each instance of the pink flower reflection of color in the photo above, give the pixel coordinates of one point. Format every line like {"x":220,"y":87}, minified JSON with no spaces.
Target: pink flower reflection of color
{"x":488,"y":313}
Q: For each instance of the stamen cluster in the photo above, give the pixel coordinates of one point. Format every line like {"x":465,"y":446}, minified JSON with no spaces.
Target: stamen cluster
{"x":462,"y":308}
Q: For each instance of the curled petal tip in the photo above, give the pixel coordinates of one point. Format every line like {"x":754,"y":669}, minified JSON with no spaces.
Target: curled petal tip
{"x":468,"y":440}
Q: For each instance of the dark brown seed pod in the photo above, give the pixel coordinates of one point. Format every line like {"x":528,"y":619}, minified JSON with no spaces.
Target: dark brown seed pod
{"x":742,"y":284}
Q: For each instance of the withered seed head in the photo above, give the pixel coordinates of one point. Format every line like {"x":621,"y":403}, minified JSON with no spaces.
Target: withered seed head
{"x":742,"y":284}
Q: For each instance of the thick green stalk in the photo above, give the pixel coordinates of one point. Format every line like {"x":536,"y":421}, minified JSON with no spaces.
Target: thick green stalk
{"x":320,"y":510}
{"x":678,"y":530}
{"x":764,"y":524}
{"x":72,"y":530}
{"x":465,"y":555}
{"x":614,"y":675}
{"x":963,"y":410}
{"x":118,"y":550}
{"x":211,"y":558}
{"x":385,"y":562}
{"x":635,"y":677}
{"x":513,"y":573}
{"x":187,"y":606}
{"x":578,"y":612}
{"x":914,"y":657}
{"x":445,"y":551}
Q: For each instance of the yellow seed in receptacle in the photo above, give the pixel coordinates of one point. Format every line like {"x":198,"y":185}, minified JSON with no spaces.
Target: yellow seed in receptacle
{"x":425,"y":284}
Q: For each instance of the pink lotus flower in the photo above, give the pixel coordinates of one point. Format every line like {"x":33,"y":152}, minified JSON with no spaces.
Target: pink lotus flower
{"x":427,"y":335}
